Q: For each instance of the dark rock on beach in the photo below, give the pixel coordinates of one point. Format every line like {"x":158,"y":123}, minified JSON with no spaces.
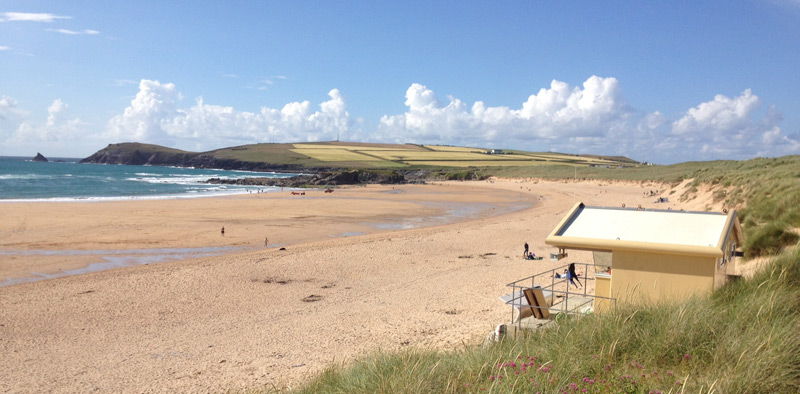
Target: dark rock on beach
{"x":39,"y":157}
{"x":326,"y":178}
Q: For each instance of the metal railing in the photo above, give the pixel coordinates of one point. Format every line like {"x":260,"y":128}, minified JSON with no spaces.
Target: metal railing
{"x":557,"y":290}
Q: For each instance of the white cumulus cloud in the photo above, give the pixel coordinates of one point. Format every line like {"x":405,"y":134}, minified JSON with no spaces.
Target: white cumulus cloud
{"x":155,"y":116}
{"x":725,"y":128}
{"x":8,"y":106}
{"x":721,"y":114}
{"x":20,"y":134}
{"x":60,"y":126}
{"x":556,"y":113}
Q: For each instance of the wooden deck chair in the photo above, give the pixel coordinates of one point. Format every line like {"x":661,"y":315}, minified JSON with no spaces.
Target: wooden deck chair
{"x":536,"y":299}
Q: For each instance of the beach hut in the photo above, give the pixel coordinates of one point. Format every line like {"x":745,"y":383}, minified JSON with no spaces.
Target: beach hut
{"x":651,"y":255}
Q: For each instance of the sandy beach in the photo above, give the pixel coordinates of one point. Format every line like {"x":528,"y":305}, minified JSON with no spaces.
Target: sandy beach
{"x":364,"y":268}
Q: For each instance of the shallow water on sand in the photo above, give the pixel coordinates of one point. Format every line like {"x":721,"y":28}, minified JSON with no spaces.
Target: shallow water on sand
{"x":110,"y":259}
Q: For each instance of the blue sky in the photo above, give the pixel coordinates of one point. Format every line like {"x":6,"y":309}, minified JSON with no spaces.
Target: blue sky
{"x":661,"y":82}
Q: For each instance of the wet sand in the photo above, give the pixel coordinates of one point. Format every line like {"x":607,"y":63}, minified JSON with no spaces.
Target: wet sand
{"x":46,"y":240}
{"x":267,"y":316}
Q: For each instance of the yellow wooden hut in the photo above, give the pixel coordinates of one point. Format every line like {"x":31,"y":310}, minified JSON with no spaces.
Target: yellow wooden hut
{"x":651,"y":255}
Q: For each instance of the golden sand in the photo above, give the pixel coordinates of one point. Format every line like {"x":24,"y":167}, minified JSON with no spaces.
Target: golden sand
{"x":266,"y":316}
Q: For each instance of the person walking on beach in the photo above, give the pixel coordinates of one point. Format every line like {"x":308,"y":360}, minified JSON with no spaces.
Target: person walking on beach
{"x":222,"y":231}
{"x":525,"y":254}
{"x":266,"y":241}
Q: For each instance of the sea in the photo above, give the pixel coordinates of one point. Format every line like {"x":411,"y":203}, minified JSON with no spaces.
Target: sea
{"x":64,"y":179}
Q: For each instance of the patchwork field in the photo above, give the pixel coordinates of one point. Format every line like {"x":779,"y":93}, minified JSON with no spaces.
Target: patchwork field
{"x":410,"y":155}
{"x":334,"y":155}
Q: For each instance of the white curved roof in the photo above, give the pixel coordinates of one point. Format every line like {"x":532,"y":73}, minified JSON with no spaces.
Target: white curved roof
{"x":602,"y":228}
{"x":666,"y":227}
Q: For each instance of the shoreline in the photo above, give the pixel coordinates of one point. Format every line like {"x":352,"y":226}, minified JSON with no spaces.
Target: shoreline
{"x":81,"y":257}
{"x":271,"y":318}
{"x":95,"y":199}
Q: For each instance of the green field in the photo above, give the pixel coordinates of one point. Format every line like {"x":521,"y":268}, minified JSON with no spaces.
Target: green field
{"x":335,"y":155}
{"x":444,"y":148}
{"x":363,"y":155}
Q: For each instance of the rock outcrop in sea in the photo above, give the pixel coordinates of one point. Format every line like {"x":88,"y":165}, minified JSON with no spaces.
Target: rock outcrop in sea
{"x":39,"y":157}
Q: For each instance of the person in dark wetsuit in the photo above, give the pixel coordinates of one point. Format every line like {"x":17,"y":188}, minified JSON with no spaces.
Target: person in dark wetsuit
{"x":573,"y":276}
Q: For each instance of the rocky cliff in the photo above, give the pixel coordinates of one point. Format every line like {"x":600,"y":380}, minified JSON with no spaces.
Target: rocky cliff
{"x":144,"y":154}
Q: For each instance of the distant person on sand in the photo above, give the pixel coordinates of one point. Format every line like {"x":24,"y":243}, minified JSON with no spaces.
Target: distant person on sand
{"x":526,"y":250}
{"x":223,"y":231}
{"x":266,"y":241}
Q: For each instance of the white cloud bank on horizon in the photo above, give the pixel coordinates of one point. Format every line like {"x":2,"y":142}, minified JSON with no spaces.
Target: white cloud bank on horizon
{"x":592,"y":118}
{"x":154,"y":116}
{"x":58,"y":132}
